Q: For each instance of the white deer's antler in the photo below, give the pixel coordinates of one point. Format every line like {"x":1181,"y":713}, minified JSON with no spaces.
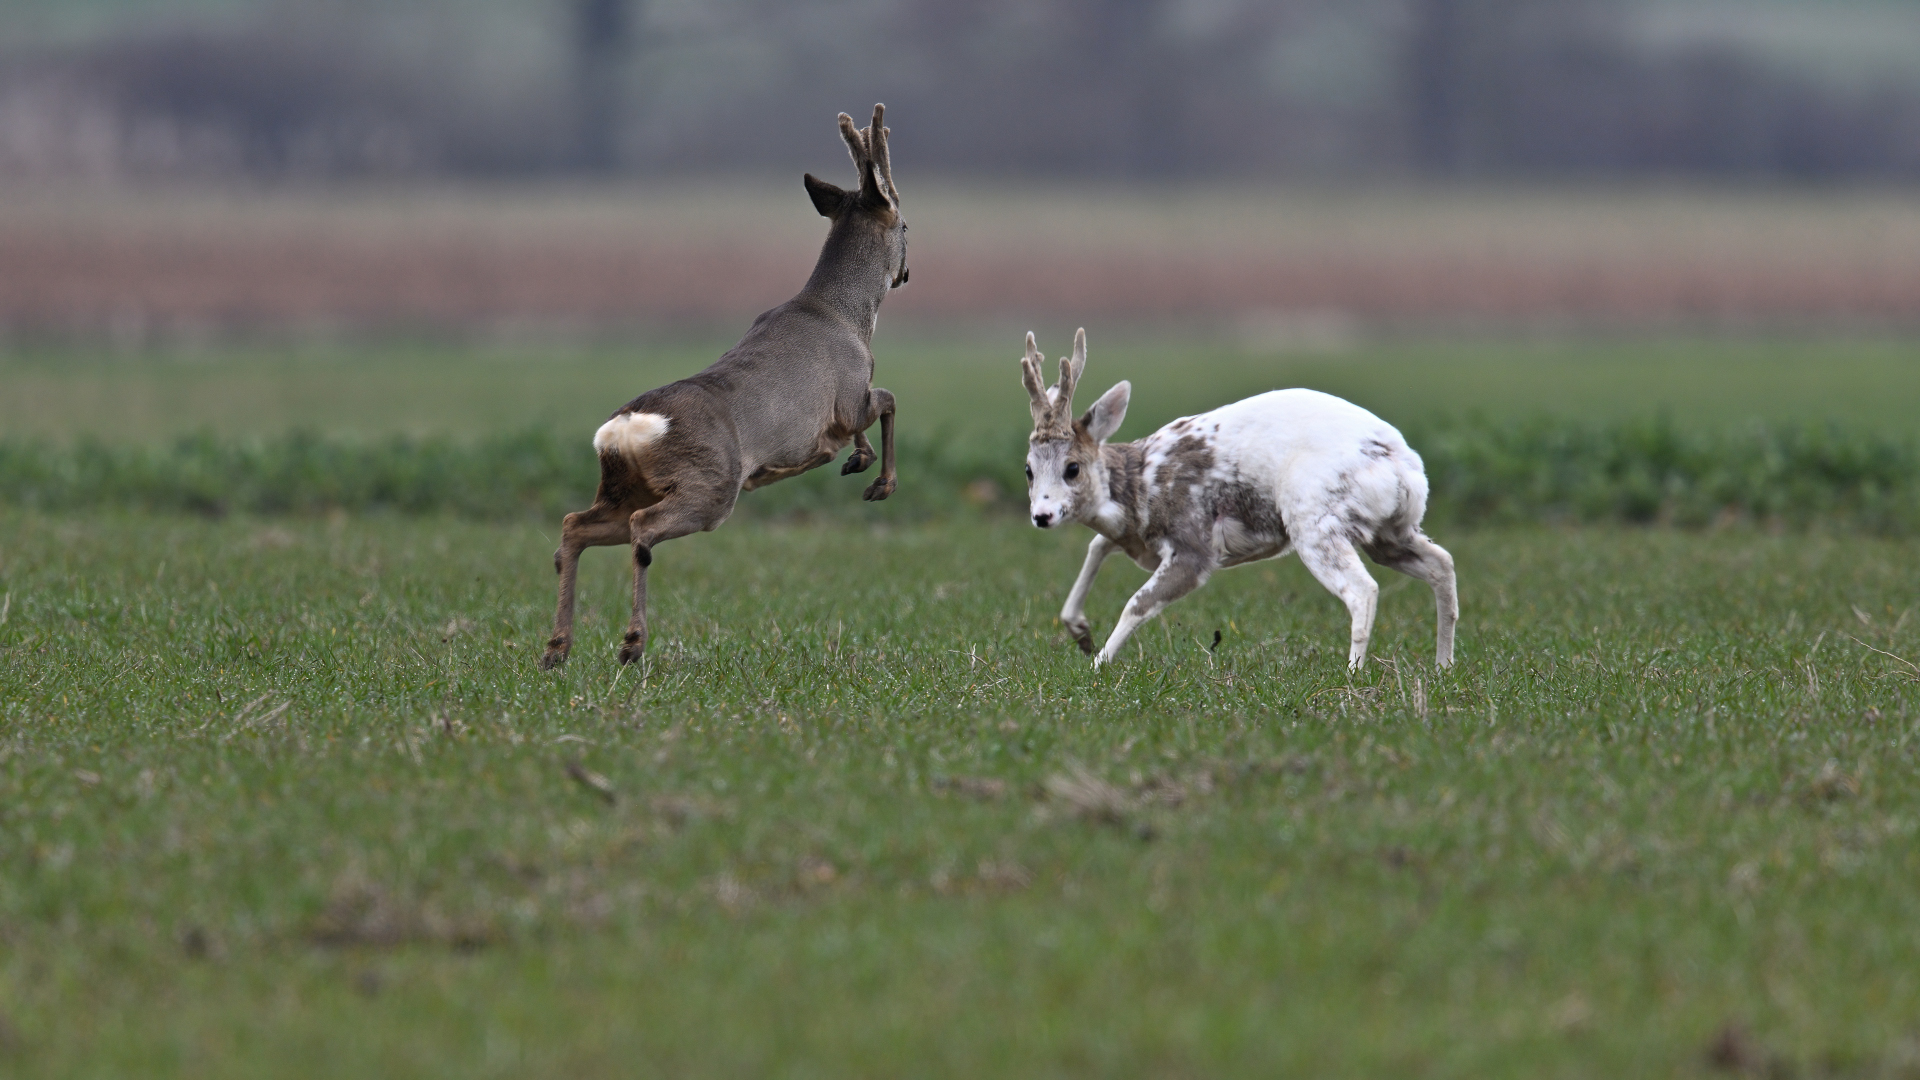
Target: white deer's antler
{"x":1052,"y":407}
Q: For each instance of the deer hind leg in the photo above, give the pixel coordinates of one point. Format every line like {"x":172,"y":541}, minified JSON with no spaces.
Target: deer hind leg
{"x":677,"y":515}
{"x":1331,"y":559}
{"x":600,"y":525}
{"x":880,"y":407}
{"x":1418,"y":557}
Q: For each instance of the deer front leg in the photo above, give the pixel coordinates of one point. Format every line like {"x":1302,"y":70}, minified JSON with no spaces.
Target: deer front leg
{"x":862,"y":457}
{"x":1074,"y":614}
{"x":1179,"y":573}
{"x":880,"y":406}
{"x":597,"y":526}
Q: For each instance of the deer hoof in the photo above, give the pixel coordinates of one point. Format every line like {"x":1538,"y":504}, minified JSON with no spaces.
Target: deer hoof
{"x":632,"y":647}
{"x":879,"y":489}
{"x":857,"y":462}
{"x":1082,"y":632}
{"x":555,"y":655}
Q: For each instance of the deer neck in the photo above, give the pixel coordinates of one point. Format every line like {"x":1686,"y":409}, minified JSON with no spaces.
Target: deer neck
{"x":1121,"y":514}
{"x":850,"y":279}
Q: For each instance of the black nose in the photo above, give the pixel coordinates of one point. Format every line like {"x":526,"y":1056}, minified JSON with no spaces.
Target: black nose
{"x":1043,"y":520}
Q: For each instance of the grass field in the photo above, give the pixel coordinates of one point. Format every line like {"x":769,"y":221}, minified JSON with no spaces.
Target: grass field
{"x":286,"y":796}
{"x":290,"y":797}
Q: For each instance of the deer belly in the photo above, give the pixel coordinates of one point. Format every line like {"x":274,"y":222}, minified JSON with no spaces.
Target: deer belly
{"x":794,"y":461}
{"x":1236,"y":542}
{"x":1247,"y":524}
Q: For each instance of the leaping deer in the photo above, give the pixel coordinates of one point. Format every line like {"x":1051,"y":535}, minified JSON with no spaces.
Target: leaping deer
{"x":788,"y":398}
{"x":1288,"y":470}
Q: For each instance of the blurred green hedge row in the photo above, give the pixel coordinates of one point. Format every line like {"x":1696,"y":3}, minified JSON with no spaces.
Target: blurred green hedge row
{"x":1481,"y":471}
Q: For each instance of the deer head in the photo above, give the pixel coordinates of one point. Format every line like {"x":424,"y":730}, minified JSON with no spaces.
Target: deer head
{"x":875,"y":204}
{"x":1066,"y":476}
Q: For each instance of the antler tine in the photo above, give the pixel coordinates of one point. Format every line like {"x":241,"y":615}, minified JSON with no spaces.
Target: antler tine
{"x":1031,"y":378}
{"x":877,"y":147}
{"x":856,"y":143}
{"x":1079,"y":354}
{"x":1035,"y":382}
{"x":1069,"y":380}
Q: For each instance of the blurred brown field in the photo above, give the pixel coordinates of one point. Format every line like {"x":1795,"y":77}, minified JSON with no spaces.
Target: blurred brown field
{"x":137,"y":264}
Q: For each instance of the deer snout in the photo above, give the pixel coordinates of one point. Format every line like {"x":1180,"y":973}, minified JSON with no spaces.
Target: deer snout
{"x":1043,"y":519}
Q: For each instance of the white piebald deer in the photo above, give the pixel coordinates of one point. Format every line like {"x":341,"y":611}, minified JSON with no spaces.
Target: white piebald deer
{"x":1288,"y":470}
{"x":789,"y":397}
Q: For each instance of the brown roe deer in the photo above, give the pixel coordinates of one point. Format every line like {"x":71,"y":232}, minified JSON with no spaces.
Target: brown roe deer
{"x":789,"y":397}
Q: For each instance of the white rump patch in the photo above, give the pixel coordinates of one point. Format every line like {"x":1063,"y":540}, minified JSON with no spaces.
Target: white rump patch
{"x":629,"y":434}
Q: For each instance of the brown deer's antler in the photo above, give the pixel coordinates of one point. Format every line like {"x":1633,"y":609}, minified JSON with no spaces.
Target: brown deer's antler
{"x":869,"y":150}
{"x":882,"y":160}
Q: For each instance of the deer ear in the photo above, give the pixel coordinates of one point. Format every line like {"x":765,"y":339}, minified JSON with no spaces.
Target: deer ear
{"x":827,"y":198}
{"x":1104,"y":418}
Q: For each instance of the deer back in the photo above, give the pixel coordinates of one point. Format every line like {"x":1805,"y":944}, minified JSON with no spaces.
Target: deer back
{"x":803,"y":369}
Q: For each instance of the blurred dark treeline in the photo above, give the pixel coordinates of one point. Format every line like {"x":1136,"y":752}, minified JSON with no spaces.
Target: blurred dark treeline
{"x":1153,"y":89}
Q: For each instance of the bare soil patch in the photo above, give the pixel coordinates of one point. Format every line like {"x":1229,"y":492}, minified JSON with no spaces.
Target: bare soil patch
{"x":131,"y":265}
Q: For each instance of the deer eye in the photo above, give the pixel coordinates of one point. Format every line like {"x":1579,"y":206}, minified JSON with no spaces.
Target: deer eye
{"x":1073,"y":470}
{"x":1029,"y":474}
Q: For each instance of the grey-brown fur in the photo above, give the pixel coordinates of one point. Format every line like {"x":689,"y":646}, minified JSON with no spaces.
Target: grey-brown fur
{"x":794,"y":392}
